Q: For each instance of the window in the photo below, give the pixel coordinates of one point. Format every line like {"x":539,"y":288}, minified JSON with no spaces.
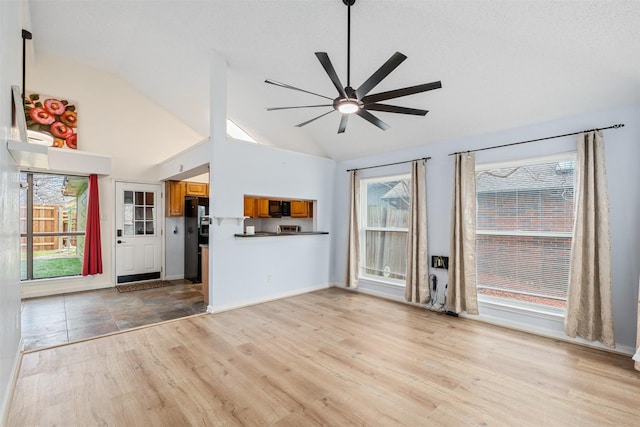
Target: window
{"x":53,"y":216}
{"x":138,"y":210}
{"x":525,"y":215}
{"x":236,"y":132}
{"x":384,"y":227}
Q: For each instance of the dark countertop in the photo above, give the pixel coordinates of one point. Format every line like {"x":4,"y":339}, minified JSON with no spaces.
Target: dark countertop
{"x":291,"y":233}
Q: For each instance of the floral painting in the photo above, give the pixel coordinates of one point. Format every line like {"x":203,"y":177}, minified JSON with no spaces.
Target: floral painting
{"x":51,"y":121}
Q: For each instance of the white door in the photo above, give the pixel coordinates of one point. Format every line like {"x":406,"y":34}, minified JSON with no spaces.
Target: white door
{"x":138,"y":232}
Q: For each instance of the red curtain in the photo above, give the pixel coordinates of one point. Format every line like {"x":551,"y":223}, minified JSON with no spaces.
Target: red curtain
{"x":92,"y":245}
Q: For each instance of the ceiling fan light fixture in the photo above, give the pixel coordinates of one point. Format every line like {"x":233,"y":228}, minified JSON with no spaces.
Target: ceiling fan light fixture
{"x":348,"y":106}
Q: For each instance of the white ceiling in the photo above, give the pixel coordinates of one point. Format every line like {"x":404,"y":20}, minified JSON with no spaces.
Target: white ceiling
{"x":502,"y":63}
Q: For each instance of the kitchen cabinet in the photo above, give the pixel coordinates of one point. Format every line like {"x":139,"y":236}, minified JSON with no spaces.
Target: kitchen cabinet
{"x":197,"y":189}
{"x":262,"y":208}
{"x":301,"y":209}
{"x":175,"y":192}
{"x":250,"y":207}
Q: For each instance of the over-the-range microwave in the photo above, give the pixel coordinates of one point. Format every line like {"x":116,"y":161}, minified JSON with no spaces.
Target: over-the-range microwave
{"x":279,"y":208}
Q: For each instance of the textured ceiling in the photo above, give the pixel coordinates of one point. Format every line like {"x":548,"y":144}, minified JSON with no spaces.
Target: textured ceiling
{"x":502,"y":63}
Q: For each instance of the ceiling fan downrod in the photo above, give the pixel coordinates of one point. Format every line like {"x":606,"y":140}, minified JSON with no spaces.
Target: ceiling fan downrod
{"x":349,"y":3}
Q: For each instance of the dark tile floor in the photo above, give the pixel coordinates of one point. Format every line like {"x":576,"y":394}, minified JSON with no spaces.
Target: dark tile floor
{"x":58,"y":319}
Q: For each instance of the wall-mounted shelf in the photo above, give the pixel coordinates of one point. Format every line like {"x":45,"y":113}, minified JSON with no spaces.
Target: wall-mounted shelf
{"x":29,"y":155}
{"x":34,"y":156}
{"x":238,"y":219}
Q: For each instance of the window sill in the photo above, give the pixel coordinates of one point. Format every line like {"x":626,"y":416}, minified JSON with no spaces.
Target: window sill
{"x":382,"y":282}
{"x":520,"y":307}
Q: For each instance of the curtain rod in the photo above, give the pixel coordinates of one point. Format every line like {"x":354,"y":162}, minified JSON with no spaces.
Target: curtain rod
{"x":619,"y":125}
{"x":389,"y":164}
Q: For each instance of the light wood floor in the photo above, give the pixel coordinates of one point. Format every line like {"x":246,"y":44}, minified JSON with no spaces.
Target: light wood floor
{"x":326,"y":358}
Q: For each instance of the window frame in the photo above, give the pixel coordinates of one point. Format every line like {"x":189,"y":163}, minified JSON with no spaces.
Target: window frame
{"x":30,"y":235}
{"x":364,"y":228}
{"x":514,"y":305}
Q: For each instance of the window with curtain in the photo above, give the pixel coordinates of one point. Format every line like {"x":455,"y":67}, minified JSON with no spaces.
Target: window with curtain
{"x":384,"y":224}
{"x":525,"y":216}
{"x":53,"y":218}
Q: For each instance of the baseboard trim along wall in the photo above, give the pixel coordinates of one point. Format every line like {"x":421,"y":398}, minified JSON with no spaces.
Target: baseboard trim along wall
{"x":8,"y":396}
{"x":34,"y":290}
{"x":299,"y":291}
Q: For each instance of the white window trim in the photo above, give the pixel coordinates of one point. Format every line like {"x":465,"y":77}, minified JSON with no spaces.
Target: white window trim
{"x":567,"y":156}
{"x":363,"y":229}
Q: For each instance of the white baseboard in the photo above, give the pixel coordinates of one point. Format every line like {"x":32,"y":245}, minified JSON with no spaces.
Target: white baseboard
{"x":8,"y":395}
{"x":549,"y":333}
{"x":34,"y":290}
{"x":299,"y":291}
{"x":175,"y":277}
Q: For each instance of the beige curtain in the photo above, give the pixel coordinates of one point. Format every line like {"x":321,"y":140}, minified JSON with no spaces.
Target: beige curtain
{"x":353,"y":248}
{"x":461,"y":292}
{"x":589,"y":308}
{"x":417,"y":289}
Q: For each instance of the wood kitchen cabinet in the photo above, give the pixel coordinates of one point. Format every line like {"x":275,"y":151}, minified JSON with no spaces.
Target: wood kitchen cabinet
{"x":262,"y":208}
{"x":250,"y":207}
{"x":256,"y":208}
{"x":301,"y":209}
{"x":175,"y":192}
{"x":197,"y":189}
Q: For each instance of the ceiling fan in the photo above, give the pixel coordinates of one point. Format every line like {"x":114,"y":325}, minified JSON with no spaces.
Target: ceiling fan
{"x":358,"y":101}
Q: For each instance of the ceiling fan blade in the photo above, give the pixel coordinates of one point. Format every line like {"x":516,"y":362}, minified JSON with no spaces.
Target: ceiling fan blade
{"x":382,"y":72}
{"x":395,"y":109}
{"x":301,"y":106}
{"x":328,"y":67}
{"x":343,"y":123}
{"x":372,"y":119}
{"x":315,"y":118}
{"x":369,"y":99}
{"x":275,"y":83}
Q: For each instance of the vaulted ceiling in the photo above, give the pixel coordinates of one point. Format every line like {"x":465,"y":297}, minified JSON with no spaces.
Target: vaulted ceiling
{"x":502,"y":64}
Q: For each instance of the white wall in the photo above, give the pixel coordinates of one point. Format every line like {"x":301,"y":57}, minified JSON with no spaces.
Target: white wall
{"x":622,"y":154}
{"x":10,"y":74}
{"x":249,"y":270}
{"x":114,"y":119}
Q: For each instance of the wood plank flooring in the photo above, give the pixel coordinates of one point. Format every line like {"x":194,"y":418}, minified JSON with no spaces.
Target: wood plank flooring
{"x":331,"y":357}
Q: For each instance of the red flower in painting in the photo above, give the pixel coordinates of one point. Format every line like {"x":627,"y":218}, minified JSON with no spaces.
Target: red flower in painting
{"x":42,"y":116}
{"x":61,"y":130}
{"x":69,"y":118}
{"x":54,"y":106}
{"x":54,"y":117}
{"x":72,"y":141}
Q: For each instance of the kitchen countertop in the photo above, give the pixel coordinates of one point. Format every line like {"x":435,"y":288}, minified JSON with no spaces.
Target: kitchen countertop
{"x":288,"y":233}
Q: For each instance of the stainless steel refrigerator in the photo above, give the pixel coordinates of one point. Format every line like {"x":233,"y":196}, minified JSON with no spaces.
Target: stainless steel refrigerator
{"x":196,"y":234}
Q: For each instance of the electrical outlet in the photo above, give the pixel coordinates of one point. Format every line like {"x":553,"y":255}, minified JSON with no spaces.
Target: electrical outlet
{"x":268,"y":278}
{"x":438,"y":261}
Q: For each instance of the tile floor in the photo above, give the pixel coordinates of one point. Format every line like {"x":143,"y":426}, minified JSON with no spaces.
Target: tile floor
{"x":58,"y":319}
